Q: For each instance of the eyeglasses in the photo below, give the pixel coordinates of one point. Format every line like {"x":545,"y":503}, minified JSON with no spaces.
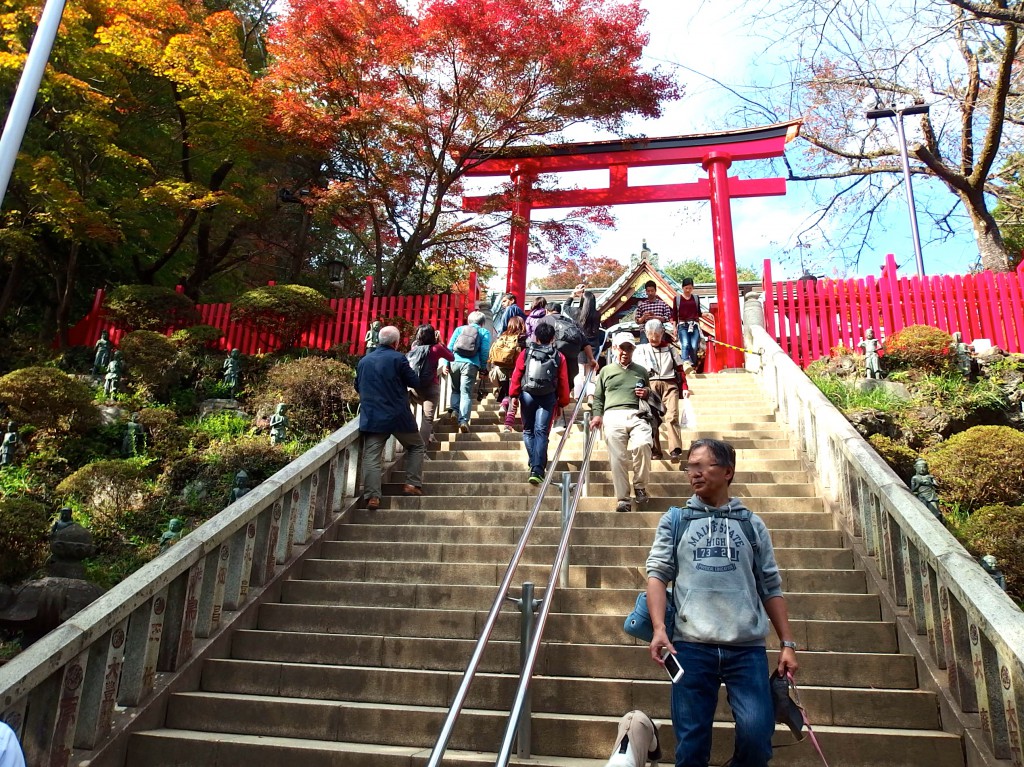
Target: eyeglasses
{"x":696,"y":468}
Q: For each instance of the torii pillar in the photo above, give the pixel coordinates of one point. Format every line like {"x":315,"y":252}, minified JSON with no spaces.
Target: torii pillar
{"x":519,"y":241}
{"x":717,"y":164}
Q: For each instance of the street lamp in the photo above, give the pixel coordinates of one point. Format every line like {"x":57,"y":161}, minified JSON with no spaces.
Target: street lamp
{"x":915,"y":109}
{"x":337,"y":271}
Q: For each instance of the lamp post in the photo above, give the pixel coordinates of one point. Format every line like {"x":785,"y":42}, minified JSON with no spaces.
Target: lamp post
{"x":337,"y":272}
{"x":915,"y":109}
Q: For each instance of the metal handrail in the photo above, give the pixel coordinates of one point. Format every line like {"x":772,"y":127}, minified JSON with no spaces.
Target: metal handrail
{"x":526,"y":674}
{"x":437,"y":754}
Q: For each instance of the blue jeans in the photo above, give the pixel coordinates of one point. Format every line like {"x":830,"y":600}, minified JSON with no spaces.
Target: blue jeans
{"x":536,"y":413}
{"x":689,"y":340}
{"x":744,"y":671}
{"x":463,"y":378}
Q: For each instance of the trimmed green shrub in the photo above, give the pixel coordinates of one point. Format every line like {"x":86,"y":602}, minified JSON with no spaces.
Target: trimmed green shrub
{"x":149,"y":307}
{"x":999,"y":530}
{"x":320,"y":393}
{"x":282,"y":310}
{"x":110,"y":494}
{"x":49,"y":399}
{"x":919,"y":346}
{"x":900,"y":457}
{"x":197,"y":337}
{"x":23,"y":538}
{"x":165,"y":437}
{"x":150,"y":357}
{"x":979,"y":467}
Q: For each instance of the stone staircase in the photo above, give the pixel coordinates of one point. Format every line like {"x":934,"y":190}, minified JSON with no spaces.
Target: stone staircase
{"x":357,"y":663}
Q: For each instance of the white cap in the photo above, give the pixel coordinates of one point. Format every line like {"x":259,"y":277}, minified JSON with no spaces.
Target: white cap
{"x":621,"y":339}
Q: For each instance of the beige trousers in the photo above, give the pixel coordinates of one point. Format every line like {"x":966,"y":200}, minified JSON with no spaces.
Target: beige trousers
{"x":669,"y":393}
{"x":629,"y":440}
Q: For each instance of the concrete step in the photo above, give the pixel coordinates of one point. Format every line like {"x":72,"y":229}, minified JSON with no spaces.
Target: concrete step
{"x":615,"y":661}
{"x":592,"y":536}
{"x":574,"y":452}
{"x":552,"y":501}
{"x":824,"y":636}
{"x":508,"y":484}
{"x":662,"y":472}
{"x":443,"y":462}
{"x":809,"y":580}
{"x":604,"y":556}
{"x":904,"y":709}
{"x":557,"y":734}
{"x":602,"y":517}
{"x":607,"y":601}
{"x":510,"y":440}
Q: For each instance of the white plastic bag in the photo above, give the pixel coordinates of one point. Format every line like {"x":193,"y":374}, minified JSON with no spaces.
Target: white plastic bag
{"x":687,"y":414}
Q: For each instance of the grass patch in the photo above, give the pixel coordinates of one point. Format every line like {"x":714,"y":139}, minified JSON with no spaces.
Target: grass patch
{"x":846,"y":396}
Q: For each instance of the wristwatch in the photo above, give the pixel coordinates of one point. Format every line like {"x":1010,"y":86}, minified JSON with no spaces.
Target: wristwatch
{"x":786,"y":643}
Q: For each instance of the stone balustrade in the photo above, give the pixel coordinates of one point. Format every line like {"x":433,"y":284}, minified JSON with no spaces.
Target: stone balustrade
{"x":61,"y":693}
{"x":967,"y":627}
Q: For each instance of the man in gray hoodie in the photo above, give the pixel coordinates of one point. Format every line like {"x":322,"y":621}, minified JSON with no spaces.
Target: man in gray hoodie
{"x":727,"y":588}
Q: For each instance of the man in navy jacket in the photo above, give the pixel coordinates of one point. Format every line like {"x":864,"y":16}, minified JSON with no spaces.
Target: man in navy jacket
{"x":383,"y":380}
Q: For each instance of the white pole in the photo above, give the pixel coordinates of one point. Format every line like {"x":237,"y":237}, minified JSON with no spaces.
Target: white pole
{"x":28,"y":87}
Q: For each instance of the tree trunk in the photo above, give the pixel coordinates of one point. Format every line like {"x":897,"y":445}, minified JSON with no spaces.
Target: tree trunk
{"x":65,"y":295}
{"x":11,"y":285}
{"x":991,"y":247}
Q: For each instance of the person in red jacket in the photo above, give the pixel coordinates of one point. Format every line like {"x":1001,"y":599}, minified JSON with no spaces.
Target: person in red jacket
{"x":540,"y":380}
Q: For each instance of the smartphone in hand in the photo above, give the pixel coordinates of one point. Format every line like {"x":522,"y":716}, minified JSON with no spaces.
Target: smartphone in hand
{"x":672,"y":667}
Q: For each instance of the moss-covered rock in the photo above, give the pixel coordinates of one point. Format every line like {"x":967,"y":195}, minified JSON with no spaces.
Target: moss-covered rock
{"x":900,"y":457}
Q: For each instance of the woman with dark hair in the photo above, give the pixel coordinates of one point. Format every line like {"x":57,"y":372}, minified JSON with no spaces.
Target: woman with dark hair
{"x":430,"y":396}
{"x":589,"y":319}
{"x":537,"y":313}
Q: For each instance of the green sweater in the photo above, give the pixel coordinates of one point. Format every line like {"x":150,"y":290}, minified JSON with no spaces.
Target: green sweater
{"x":615,"y":387}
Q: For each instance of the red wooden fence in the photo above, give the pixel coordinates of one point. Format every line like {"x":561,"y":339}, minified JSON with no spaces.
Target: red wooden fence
{"x":348,"y":325}
{"x":808,"y":318}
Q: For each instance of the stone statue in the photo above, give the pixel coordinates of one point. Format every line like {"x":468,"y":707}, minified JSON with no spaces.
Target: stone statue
{"x":373,"y":336}
{"x":991,"y":565}
{"x":233,"y":371}
{"x":64,"y":521}
{"x":112,"y":380}
{"x":279,"y":425}
{"x":102,"y":358}
{"x":172,"y":534}
{"x":70,"y":543}
{"x":962,"y":352}
{"x":922,"y":484}
{"x":9,"y":445}
{"x":871,"y":347}
{"x":134,"y":441}
{"x":241,"y":486}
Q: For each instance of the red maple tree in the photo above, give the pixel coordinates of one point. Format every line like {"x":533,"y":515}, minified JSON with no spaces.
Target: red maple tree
{"x":568,"y":272}
{"x":404,"y":102}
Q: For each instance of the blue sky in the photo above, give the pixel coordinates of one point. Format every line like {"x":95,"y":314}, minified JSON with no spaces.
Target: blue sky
{"x":717,"y":39}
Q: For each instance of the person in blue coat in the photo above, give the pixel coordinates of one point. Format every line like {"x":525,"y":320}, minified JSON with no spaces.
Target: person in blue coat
{"x":383,"y":380}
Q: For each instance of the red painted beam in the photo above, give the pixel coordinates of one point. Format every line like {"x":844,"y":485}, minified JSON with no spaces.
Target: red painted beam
{"x":575,"y":198}
{"x":636,"y":158}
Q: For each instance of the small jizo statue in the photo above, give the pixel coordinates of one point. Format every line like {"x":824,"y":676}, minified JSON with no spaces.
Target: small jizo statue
{"x":112,"y":380}
{"x":241,"y":486}
{"x":233,"y":371}
{"x":373,"y":336}
{"x":9,"y":445}
{"x":102,"y":358}
{"x":991,"y":565}
{"x":134,"y":441}
{"x":279,"y":425}
{"x":172,"y":534}
{"x":922,"y":484}
{"x":962,"y":352}
{"x":63,"y":521}
{"x":871,"y":347}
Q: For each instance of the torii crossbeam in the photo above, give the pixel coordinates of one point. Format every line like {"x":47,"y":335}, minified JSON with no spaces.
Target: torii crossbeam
{"x":715,"y":152}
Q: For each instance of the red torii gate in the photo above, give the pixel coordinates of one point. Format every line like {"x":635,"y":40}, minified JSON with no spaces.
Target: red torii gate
{"x":714,"y":151}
